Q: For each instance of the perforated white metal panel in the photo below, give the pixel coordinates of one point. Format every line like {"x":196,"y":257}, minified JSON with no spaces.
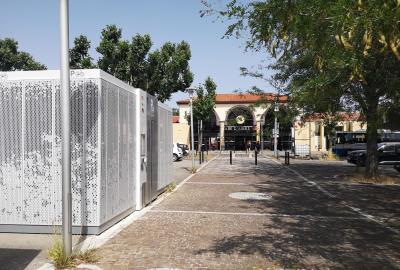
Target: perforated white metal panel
{"x":118,"y":150}
{"x":165,"y":146}
{"x":30,"y":152}
{"x":107,"y":118}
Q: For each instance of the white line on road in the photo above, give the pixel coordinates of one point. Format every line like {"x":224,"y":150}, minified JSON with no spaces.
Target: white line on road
{"x":225,"y":183}
{"x":254,"y":214}
{"x":354,"y":209}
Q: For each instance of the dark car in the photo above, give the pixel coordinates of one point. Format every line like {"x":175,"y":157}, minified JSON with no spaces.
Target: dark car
{"x":184,"y":147}
{"x":388,"y":154}
{"x":397,"y":167}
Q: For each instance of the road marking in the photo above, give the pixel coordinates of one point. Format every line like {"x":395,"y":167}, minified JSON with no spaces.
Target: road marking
{"x":226,"y":183}
{"x":253,"y":214}
{"x":342,"y":202}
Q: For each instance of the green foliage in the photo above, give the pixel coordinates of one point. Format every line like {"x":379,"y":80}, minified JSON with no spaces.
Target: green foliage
{"x":331,"y":55}
{"x":168,"y":70}
{"x":79,"y":54}
{"x":171,"y":187}
{"x":204,"y":103}
{"x":12,"y":59}
{"x":57,"y":255}
{"x":60,"y":260}
{"x":161,"y":72}
{"x":175,"y":111}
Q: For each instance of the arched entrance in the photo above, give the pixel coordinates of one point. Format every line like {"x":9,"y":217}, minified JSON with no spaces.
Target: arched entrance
{"x":239,"y":128}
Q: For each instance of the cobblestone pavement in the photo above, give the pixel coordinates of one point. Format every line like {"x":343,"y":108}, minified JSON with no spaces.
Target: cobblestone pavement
{"x":308,"y":220}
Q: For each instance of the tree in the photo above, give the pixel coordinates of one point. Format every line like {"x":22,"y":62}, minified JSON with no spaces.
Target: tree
{"x":79,"y":54}
{"x":168,"y":70}
{"x":160,"y":73}
{"x":341,"y":51}
{"x":204,"y":103}
{"x":11,"y":59}
{"x":114,"y":52}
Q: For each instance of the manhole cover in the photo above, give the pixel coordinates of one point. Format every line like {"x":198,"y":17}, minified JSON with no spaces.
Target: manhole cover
{"x":250,"y":196}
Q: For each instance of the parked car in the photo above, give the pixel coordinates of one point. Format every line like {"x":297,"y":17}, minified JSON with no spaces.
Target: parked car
{"x":184,"y":147}
{"x":397,"y":167}
{"x":388,"y":154}
{"x":177,"y":153}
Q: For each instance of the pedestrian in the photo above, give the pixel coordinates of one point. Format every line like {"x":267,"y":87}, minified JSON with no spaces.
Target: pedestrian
{"x":248,"y":146}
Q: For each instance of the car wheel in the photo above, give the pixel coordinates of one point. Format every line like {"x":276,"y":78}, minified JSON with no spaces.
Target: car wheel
{"x":174,"y":157}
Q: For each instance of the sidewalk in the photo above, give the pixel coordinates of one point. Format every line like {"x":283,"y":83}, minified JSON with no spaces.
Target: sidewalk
{"x":243,"y":216}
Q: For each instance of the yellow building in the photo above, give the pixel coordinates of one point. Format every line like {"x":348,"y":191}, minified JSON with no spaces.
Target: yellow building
{"x":310,"y":133}
{"x":180,"y":131}
{"x":242,"y":119}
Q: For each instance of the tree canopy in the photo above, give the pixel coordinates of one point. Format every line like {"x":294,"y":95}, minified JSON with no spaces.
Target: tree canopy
{"x":330,"y":55}
{"x":204,"y":103}
{"x":12,"y":59}
{"x":161,"y":72}
{"x":79,"y":54}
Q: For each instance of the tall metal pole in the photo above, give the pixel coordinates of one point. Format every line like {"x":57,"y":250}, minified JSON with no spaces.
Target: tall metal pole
{"x":275,"y":137}
{"x":65,"y":129}
{"x":191,"y":129}
{"x":262,"y":137}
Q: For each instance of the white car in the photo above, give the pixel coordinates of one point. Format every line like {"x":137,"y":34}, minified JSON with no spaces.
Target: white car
{"x":177,"y":153}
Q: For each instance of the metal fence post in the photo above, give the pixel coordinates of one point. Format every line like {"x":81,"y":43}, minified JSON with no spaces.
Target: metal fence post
{"x":230,"y":156}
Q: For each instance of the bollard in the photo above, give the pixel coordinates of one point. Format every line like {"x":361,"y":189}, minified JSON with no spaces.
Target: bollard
{"x":202,"y":156}
{"x":199,"y":157}
{"x":255,"y":157}
{"x":287,"y":158}
{"x":230,"y":157}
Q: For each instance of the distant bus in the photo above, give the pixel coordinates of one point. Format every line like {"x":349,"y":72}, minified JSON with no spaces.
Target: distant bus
{"x":346,"y":141}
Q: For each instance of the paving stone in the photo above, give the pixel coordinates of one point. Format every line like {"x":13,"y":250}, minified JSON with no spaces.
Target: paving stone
{"x":200,"y":227}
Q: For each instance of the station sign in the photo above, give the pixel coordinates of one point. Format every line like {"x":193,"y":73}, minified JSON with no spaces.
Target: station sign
{"x":248,"y":128}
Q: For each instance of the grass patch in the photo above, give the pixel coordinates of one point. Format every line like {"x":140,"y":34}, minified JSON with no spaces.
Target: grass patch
{"x":170,"y":187}
{"x":60,"y":260}
{"x":330,"y":156}
{"x":383,"y":180}
{"x":193,"y":170}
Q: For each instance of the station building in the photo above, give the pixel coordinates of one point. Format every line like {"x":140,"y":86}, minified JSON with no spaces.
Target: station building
{"x":239,"y":119}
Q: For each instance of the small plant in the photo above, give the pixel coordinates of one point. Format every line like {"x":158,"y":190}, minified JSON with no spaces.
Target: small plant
{"x":57,"y":255}
{"x":170,"y":187}
{"x":60,"y":260}
{"x":87,"y":256}
{"x":330,"y":156}
{"x":193,"y":170}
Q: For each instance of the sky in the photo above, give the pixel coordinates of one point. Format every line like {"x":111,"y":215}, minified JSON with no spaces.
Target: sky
{"x":35,"y":25}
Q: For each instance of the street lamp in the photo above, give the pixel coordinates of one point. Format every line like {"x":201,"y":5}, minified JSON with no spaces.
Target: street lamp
{"x":65,"y":129}
{"x":190,"y":92}
{"x":276,"y":110}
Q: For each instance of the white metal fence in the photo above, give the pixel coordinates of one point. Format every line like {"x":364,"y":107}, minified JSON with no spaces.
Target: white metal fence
{"x":104,"y":140}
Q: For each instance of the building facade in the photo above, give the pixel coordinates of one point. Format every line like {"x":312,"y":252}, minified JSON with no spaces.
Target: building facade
{"x":242,"y":119}
{"x":236,"y":120}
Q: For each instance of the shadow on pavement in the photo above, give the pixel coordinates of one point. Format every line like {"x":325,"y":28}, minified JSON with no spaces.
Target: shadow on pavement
{"x":312,"y":244}
{"x":16,"y":259}
{"x":330,"y":236}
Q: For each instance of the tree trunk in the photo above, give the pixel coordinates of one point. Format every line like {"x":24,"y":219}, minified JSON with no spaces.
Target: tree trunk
{"x":201,"y":134}
{"x":371,"y":169}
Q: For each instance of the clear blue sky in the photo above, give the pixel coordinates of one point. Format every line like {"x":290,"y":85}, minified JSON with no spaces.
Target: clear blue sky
{"x":34,"y":24}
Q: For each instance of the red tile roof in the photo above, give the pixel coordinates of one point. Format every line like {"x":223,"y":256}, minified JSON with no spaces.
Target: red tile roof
{"x":242,"y":98}
{"x":341,"y":116}
{"x":175,"y":119}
